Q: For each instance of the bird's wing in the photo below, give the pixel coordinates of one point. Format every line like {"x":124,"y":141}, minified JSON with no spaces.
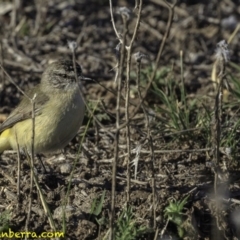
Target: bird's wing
{"x":24,"y":109}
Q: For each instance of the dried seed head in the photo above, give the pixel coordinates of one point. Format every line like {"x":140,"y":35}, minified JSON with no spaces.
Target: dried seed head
{"x":138,"y":56}
{"x":125,"y":12}
{"x":72,"y":45}
{"x":222,"y":52}
{"x":135,"y":161}
{"x":117,"y":50}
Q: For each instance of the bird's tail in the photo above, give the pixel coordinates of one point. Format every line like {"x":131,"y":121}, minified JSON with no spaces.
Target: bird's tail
{"x":4,"y":141}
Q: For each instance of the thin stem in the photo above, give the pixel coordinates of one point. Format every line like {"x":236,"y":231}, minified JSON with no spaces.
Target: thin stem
{"x":31,"y":163}
{"x":116,"y":142}
{"x":162,"y":45}
{"x":113,"y":22}
{"x":129,"y":54}
{"x":150,"y":141}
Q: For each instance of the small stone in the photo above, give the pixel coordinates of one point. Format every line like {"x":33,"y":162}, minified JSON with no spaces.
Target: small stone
{"x":65,"y":168}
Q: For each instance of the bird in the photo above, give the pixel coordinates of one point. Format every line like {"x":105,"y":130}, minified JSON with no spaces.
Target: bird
{"x":58,"y":113}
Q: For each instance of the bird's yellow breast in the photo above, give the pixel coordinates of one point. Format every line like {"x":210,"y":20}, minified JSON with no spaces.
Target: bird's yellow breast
{"x":56,"y":125}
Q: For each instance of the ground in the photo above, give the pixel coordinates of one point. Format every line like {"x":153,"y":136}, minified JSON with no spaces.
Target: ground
{"x":180,"y":187}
